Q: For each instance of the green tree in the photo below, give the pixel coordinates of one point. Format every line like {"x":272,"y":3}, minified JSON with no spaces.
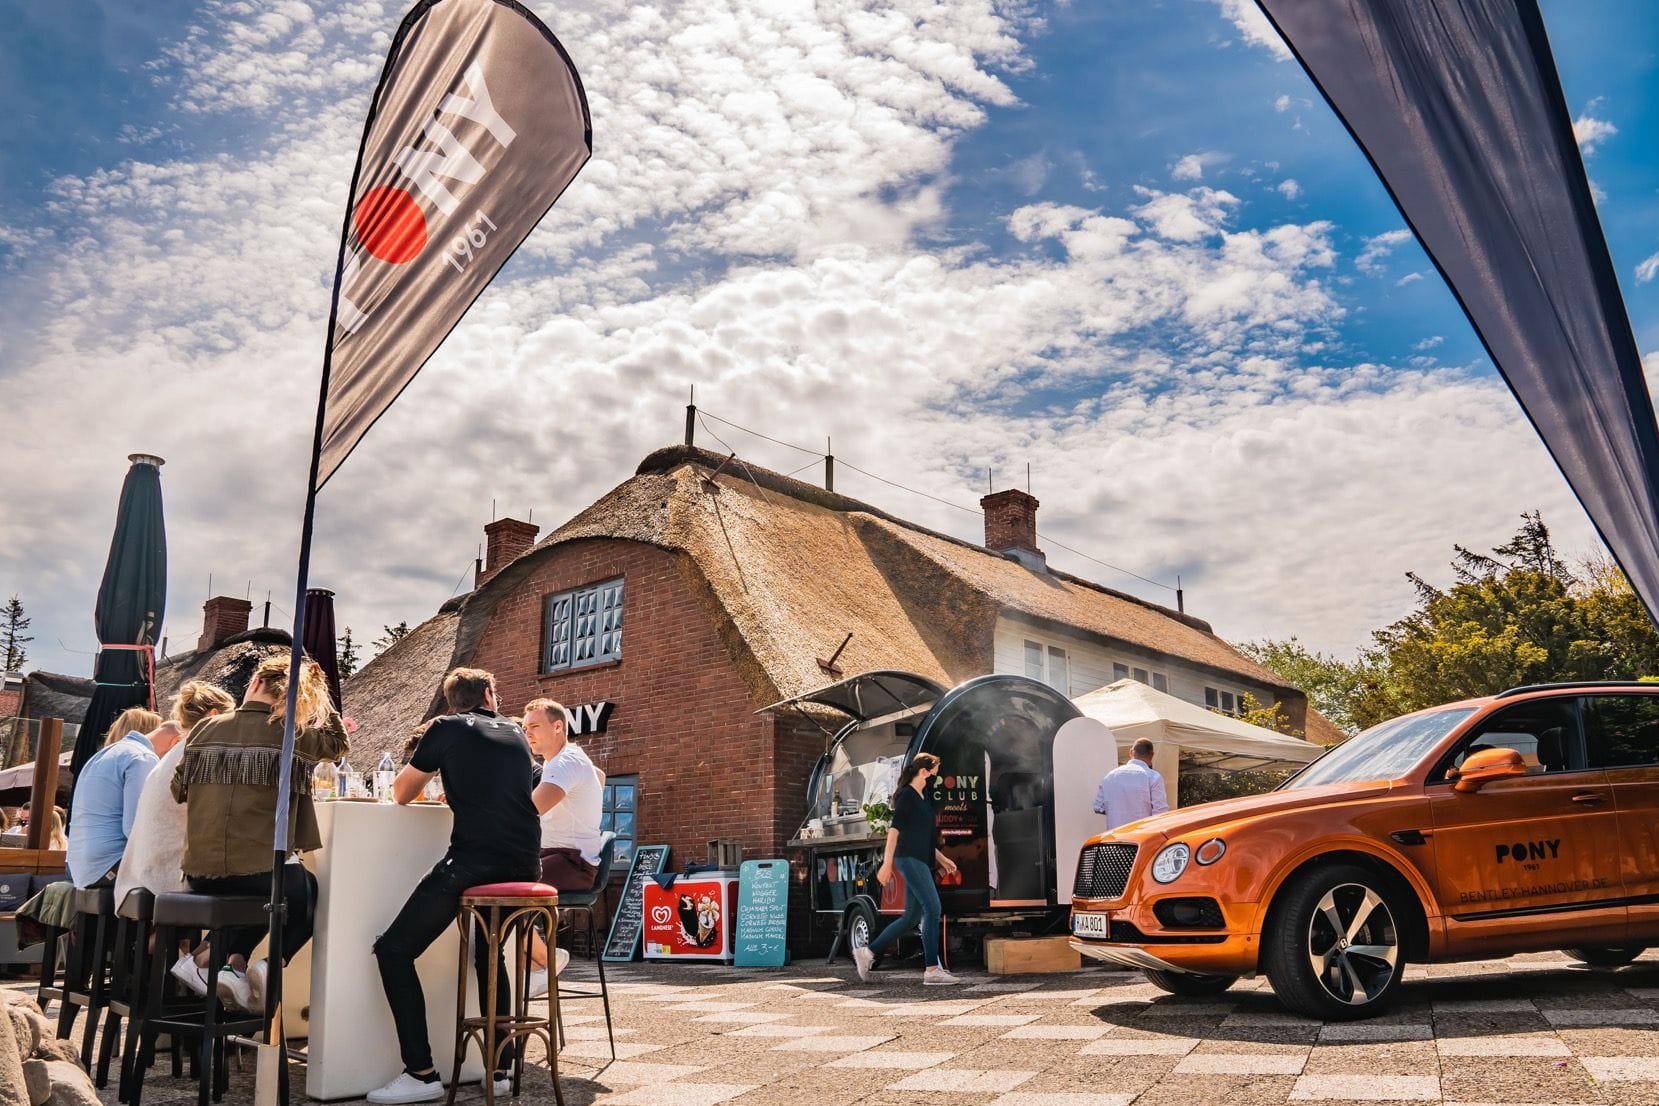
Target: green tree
{"x":393,"y":635}
{"x":1521,"y":614}
{"x":12,"y":638}
{"x":348,"y":655}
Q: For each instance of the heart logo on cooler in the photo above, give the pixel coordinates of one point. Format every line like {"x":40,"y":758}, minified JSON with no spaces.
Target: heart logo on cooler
{"x":662,"y":915}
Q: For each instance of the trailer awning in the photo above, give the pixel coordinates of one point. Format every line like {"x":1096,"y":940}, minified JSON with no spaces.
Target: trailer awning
{"x":1132,"y":710}
{"x":871,"y":695}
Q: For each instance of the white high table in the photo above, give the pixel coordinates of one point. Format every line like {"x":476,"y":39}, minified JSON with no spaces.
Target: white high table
{"x":373,"y":854}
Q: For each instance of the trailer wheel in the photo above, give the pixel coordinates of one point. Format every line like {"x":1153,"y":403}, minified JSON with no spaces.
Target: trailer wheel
{"x":1607,"y":957}
{"x":859,"y":924}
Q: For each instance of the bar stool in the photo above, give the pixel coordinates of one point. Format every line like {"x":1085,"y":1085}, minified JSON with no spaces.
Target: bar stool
{"x":504,"y":911}
{"x":175,"y":914}
{"x":587,"y":903}
{"x":128,"y":979}
{"x":86,"y":976}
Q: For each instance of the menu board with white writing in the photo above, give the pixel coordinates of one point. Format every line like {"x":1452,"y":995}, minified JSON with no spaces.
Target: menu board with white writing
{"x":762,"y":914}
{"x":622,"y":945}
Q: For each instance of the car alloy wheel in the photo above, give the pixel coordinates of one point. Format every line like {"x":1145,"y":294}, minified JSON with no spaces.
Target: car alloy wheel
{"x":1353,"y":944}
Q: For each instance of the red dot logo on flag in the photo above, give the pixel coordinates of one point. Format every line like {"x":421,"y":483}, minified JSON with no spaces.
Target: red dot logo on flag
{"x":950,"y":781}
{"x":390,"y":225}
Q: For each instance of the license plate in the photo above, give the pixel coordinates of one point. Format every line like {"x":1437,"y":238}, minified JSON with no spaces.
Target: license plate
{"x":1091,"y":925}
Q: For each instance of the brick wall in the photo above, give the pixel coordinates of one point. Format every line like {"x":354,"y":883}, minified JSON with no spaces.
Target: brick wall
{"x":684,"y":719}
{"x":9,"y":702}
{"x":1010,"y":520}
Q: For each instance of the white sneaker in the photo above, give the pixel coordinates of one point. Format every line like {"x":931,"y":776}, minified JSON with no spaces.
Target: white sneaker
{"x":504,"y":1084}
{"x":938,"y":977}
{"x":256,"y":984}
{"x":191,"y":974}
{"x":538,"y":983}
{"x":561,"y":957}
{"x":863,"y":960}
{"x":406,"y":1088}
{"x":234,"y":991}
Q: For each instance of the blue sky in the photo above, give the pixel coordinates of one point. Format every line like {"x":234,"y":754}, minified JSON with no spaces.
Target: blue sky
{"x":896,"y":225}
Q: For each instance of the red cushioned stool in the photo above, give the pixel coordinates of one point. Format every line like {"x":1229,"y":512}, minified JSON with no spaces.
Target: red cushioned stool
{"x":508,"y":912}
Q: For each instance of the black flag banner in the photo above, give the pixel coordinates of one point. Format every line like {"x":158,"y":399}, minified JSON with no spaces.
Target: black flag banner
{"x":478,"y":125}
{"x":1458,"y":106}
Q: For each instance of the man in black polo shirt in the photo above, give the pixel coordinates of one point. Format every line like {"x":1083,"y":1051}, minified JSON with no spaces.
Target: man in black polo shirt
{"x":486,"y":768}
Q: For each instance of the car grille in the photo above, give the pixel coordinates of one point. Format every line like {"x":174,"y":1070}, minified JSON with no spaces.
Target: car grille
{"x":1103,"y":871}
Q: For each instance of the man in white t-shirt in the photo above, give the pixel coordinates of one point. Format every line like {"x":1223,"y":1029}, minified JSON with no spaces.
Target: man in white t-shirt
{"x":570,"y":800}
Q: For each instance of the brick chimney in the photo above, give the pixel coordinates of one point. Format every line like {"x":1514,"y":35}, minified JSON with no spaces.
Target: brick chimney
{"x":507,"y":539}
{"x":1011,"y":526}
{"x":223,"y":616}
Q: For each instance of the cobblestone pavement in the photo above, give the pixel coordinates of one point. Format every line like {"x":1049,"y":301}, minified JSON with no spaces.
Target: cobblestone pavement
{"x":1532,"y":1029}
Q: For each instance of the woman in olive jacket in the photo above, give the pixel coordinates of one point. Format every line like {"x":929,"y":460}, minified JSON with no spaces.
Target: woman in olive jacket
{"x":228,"y":783}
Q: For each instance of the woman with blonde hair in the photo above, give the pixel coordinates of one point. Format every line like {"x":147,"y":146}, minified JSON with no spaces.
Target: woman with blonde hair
{"x":106,"y":798}
{"x":227,"y":780}
{"x":155,"y":844}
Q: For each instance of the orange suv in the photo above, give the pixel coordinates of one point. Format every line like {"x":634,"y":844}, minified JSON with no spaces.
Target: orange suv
{"x":1519,"y":823}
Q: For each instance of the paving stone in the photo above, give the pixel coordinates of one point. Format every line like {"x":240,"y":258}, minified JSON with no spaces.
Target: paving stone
{"x":833,"y":1043}
{"x":1372,"y":1031}
{"x":1057,"y":1032}
{"x":962,"y":1080}
{"x":1061,"y":1098}
{"x":1366,"y":1088}
{"x":930,"y":1009}
{"x":773,"y":1030}
{"x":744,"y":1017}
{"x":1484,"y":1006}
{"x":1503,"y":1046}
{"x":876,"y":1058}
{"x":989,"y":1020}
{"x":679,"y":1094}
{"x":1186,"y":1009}
{"x":1239,"y":1063}
{"x":1621,"y":1068}
{"x":624,"y":1072}
{"x":600,"y":1048}
{"x":1601,"y":1016}
{"x":1139,"y":1046}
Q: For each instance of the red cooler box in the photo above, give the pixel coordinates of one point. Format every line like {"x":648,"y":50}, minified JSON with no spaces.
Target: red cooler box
{"x":692,"y":920}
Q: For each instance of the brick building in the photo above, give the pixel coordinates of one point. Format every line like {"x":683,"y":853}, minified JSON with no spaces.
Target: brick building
{"x":668,"y":613}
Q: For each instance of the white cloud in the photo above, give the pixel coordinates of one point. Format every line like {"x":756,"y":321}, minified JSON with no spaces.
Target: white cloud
{"x":1647,"y":268}
{"x":1409,"y":278}
{"x":1432,"y":342}
{"x":1254,"y":27}
{"x":1191,"y":167}
{"x":1378,"y":248}
{"x":1282,"y":103}
{"x":1289,"y":189}
{"x":1591,"y":132}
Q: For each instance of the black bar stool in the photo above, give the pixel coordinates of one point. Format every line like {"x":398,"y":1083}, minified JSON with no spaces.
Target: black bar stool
{"x":172,"y":916}
{"x":86,"y":976}
{"x":587,"y":903}
{"x":128,"y":978}
{"x":505,"y":912}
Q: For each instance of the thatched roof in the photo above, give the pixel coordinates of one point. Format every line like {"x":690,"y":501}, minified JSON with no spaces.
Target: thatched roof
{"x":54,"y":695}
{"x":228,"y":665}
{"x":397,"y":690}
{"x":788,"y":569}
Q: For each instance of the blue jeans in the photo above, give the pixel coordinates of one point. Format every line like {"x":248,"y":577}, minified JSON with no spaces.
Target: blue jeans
{"x":921,"y":904}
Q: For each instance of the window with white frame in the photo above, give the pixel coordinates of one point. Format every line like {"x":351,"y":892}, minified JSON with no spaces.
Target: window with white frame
{"x":1159,"y":681}
{"x":1048,"y":664}
{"x":582,"y":627}
{"x":1224,"y":701}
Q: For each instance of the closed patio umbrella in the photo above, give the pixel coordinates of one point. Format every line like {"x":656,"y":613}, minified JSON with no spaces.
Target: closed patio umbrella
{"x":319,"y":637}
{"x":132,"y":600}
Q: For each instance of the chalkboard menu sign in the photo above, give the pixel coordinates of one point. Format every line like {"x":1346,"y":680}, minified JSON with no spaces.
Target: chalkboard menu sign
{"x":622,"y":945}
{"x":762,"y":914}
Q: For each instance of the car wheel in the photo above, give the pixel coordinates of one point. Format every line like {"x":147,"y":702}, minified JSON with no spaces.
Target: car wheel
{"x":861,"y":925}
{"x":1607,"y":957}
{"x":1334,"y":952}
{"x":1185,"y":983}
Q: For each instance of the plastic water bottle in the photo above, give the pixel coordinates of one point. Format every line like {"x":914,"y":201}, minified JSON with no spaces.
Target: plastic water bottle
{"x":351,"y":782}
{"x":383,"y":777}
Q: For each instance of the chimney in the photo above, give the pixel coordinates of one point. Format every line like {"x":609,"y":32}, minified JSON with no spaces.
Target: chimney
{"x":1011,"y":527}
{"x":223,"y":616}
{"x":507,"y":540}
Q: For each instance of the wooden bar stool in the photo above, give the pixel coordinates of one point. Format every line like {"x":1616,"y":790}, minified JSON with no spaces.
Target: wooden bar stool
{"x":506,"y":912}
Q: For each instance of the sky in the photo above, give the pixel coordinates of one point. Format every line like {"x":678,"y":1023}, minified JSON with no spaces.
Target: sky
{"x":1125,"y":244}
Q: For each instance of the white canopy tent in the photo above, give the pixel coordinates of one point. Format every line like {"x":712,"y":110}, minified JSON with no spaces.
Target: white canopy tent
{"x":1133,"y":710}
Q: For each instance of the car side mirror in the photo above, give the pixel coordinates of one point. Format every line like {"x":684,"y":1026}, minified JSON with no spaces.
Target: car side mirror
{"x":1488,"y":765}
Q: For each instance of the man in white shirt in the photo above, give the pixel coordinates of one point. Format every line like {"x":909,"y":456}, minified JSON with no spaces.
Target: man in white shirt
{"x":1133,"y":790}
{"x":570,"y":800}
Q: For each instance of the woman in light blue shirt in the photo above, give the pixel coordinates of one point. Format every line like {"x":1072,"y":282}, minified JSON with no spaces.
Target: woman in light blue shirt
{"x":106,"y":797}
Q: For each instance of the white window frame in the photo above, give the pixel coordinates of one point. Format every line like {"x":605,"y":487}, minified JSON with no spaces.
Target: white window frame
{"x":1049,"y":653}
{"x":608,"y":652}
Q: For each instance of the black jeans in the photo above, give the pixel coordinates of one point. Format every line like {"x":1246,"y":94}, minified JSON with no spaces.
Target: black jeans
{"x":299,"y":888}
{"x":431,"y":909}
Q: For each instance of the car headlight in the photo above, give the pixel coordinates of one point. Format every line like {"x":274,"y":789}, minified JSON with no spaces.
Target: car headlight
{"x":1210,"y":851}
{"x":1170,"y":862}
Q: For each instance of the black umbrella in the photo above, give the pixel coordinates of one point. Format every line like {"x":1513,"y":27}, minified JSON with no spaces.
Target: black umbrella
{"x":132,"y":600}
{"x":319,"y":637}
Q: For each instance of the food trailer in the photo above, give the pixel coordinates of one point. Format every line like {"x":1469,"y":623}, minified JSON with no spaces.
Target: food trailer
{"x":1019,"y":765}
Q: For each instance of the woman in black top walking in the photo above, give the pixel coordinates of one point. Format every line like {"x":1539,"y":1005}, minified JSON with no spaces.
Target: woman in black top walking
{"x":910,"y":851}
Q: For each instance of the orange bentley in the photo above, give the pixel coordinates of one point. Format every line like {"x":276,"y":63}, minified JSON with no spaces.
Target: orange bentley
{"x":1524,"y":822}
